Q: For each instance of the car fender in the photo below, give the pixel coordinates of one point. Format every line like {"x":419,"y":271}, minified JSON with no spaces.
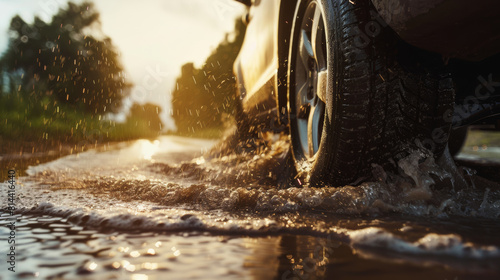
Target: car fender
{"x":454,"y":28}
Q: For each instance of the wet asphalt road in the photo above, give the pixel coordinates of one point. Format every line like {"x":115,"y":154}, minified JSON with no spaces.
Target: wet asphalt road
{"x":165,"y":208}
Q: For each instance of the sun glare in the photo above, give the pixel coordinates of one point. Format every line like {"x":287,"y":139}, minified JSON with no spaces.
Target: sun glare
{"x":148,"y":149}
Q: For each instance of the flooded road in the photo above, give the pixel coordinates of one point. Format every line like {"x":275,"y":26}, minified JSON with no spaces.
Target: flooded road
{"x":177,"y":208}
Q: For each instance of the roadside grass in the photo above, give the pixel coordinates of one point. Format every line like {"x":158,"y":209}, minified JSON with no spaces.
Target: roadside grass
{"x":36,"y":130}
{"x":46,"y":121}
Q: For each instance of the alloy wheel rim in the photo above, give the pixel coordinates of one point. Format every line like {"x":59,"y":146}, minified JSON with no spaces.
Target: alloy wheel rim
{"x":310,"y":77}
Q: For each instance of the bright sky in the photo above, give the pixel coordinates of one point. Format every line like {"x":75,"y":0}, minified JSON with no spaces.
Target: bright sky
{"x":154,"y":37}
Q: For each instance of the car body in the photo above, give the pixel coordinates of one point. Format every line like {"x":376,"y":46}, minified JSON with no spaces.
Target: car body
{"x":258,"y":70}
{"x":454,"y":28}
{"x":465,"y":35}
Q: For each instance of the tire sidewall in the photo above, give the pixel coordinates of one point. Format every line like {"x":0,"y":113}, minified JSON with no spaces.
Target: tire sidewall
{"x":384,"y":99}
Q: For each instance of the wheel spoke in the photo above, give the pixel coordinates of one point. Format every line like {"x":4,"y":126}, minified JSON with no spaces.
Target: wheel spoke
{"x":306,"y":49}
{"x":322,"y":85}
{"x":316,"y":33}
{"x":302,"y":98}
{"x":314,"y":127}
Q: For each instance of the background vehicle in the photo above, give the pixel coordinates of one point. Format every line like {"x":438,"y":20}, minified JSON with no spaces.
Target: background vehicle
{"x":366,"y":82}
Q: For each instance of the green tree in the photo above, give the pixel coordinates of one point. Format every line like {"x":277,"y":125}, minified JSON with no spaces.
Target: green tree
{"x":65,"y":58}
{"x":203,"y":97}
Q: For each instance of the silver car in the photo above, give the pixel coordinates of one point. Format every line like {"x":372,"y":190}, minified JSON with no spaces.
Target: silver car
{"x":360,"y":82}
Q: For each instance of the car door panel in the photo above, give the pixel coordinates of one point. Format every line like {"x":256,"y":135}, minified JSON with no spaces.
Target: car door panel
{"x":257,"y":63}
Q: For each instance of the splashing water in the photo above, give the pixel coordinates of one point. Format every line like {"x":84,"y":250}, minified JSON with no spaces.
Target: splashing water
{"x":178,"y":188}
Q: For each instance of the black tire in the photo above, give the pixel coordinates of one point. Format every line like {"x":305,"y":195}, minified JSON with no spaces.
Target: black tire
{"x":382,"y":97}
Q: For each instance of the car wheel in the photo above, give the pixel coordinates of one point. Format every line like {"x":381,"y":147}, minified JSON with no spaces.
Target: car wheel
{"x":358,"y":95}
